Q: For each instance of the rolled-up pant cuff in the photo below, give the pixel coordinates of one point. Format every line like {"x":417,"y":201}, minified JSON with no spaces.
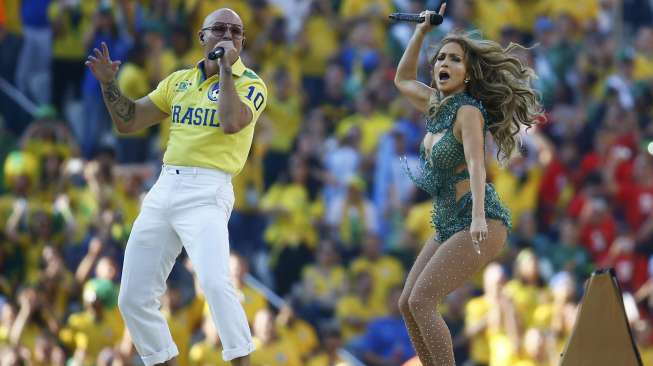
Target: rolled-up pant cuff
{"x":230,"y":354}
{"x":161,"y":356}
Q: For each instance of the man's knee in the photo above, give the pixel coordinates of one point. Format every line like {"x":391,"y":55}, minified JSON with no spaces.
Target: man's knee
{"x":213,"y":286}
{"x":130,"y":301}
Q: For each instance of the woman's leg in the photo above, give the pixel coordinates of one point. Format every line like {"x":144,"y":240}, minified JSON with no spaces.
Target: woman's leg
{"x":455,"y":262}
{"x":423,"y":258}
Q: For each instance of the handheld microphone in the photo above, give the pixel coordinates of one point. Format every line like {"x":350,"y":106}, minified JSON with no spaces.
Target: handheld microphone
{"x":216,"y":53}
{"x":436,"y":19}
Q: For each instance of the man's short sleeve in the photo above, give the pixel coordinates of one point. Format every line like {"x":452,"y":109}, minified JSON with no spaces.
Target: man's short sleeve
{"x":161,"y":96}
{"x":254,"y":94}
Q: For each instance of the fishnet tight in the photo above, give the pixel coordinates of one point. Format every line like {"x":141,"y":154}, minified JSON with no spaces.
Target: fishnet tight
{"x":438,"y":270}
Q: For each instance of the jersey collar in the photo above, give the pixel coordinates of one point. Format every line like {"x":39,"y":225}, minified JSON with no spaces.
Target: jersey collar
{"x":238,"y":68}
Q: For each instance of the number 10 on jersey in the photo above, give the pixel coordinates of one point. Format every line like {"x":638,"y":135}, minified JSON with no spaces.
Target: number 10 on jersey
{"x":258,"y":99}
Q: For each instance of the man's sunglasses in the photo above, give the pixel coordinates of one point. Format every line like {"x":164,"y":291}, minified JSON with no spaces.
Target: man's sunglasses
{"x":219,"y":29}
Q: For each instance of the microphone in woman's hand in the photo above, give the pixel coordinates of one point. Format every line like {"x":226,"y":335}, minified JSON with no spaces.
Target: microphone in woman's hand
{"x":435,"y":19}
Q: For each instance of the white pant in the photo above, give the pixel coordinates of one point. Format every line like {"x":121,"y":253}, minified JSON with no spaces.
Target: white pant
{"x":189,"y":207}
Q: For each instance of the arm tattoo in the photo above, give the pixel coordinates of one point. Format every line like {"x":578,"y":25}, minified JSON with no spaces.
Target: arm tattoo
{"x":118,"y":104}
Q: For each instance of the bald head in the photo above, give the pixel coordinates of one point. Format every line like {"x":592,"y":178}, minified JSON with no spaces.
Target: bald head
{"x":220,"y":26}
{"x":224,"y":15}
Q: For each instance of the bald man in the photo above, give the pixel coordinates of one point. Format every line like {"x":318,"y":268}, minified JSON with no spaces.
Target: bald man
{"x":213,"y":108}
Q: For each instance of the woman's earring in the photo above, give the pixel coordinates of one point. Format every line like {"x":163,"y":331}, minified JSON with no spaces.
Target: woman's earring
{"x":466,"y":81}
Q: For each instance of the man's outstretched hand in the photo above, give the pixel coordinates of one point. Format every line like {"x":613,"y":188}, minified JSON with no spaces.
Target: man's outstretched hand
{"x":101,"y":65}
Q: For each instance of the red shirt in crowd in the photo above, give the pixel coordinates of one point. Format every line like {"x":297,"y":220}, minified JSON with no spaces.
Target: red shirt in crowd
{"x":553,"y":181}
{"x":636,"y":201}
{"x":597,"y":236}
{"x":576,"y":204}
{"x":593,"y":162}
{"x":631,"y":269}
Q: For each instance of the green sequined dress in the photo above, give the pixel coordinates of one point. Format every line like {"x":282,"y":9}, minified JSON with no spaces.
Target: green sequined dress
{"x":437,"y":175}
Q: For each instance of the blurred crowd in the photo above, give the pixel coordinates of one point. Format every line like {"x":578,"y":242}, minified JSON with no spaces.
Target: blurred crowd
{"x":324,"y":215}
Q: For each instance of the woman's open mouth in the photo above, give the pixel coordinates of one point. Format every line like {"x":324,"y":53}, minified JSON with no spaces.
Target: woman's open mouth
{"x":443,"y":76}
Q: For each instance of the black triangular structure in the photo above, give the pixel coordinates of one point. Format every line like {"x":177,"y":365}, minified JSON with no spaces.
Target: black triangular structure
{"x":601,"y":335}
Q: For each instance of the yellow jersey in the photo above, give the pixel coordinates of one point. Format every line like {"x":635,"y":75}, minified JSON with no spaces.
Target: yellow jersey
{"x":322,"y":359}
{"x":181,"y":324}
{"x":84,"y":331}
{"x":490,"y":16}
{"x":527,"y":298}
{"x":68,"y":43}
{"x":325,"y":284}
{"x":252,"y":300}
{"x":386,"y":272}
{"x":277,"y":353}
{"x":646,"y":352}
{"x":205,"y":353}
{"x":476,"y":310}
{"x":353,"y":306}
{"x":12,"y":16}
{"x":196,"y":138}
{"x":301,"y":335}
{"x":518,"y":197}
{"x":417,"y":225}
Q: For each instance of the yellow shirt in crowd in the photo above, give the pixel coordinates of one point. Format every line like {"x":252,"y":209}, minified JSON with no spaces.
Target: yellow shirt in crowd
{"x":322,"y":359}
{"x":526,"y":299}
{"x":418,"y":222}
{"x":372,"y":128}
{"x":317,"y":55}
{"x":526,"y":362}
{"x":196,"y":138}
{"x":325,"y":284}
{"x":647,"y":355}
{"x":275,"y":57}
{"x":490,"y":16}
{"x":301,"y":335}
{"x":476,"y":310}
{"x":519,"y":198}
{"x":285,"y":119}
{"x":278,"y":353}
{"x":84,"y":332}
{"x":252,"y":301}
{"x":181,"y":325}
{"x":68,"y":43}
{"x":133,"y":81}
{"x":386,"y":272}
{"x":248,"y":185}
{"x":292,"y":227}
{"x":350,"y":9}
{"x":502,"y":349}
{"x":206,"y":354}
{"x":12,"y":16}
{"x":29,"y":335}
{"x":206,"y":7}
{"x":353,"y":306}
{"x":583,"y":11}
{"x":643,"y":67}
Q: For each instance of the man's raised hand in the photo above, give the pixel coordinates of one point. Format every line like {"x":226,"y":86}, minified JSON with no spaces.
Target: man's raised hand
{"x":101,"y":65}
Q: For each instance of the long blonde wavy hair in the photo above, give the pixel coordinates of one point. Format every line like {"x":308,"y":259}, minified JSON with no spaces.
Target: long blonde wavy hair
{"x":502,"y":83}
